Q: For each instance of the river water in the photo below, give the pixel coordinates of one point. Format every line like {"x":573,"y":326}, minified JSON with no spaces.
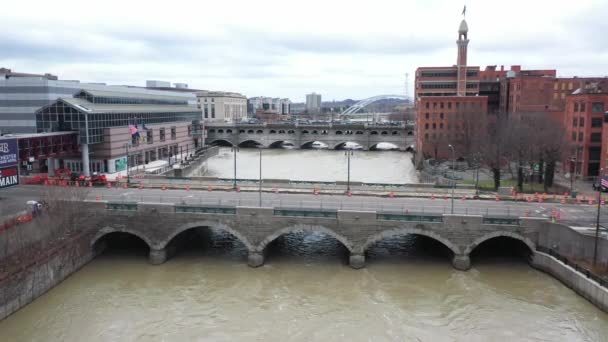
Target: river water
{"x":315,"y":165}
{"x":306,"y":292}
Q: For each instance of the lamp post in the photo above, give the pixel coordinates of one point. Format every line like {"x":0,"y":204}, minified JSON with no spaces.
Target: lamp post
{"x":260,"y":185}
{"x":128,"y":177}
{"x":597,"y":221}
{"x":453,"y":176}
{"x":572,"y":166}
{"x":235,"y":150}
{"x":348,"y":153}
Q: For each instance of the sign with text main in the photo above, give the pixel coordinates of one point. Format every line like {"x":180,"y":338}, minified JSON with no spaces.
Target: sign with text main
{"x":9,"y":152}
{"x":9,"y":176}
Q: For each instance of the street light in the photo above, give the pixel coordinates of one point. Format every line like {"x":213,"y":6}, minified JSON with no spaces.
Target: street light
{"x":597,"y":222}
{"x":234,"y":149}
{"x":348,"y":153}
{"x":127,"y":145}
{"x":260,"y":185}
{"x":572,"y":166}
{"x":453,"y":176}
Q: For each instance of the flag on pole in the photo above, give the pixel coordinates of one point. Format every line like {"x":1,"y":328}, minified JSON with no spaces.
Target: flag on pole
{"x":464,"y":10}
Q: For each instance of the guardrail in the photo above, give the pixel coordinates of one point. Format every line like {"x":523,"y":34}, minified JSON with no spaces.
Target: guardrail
{"x":205,"y":209}
{"x":579,"y":268}
{"x":513,"y":221}
{"x":298,"y":212}
{"x":122,"y":206}
{"x":413,"y":217}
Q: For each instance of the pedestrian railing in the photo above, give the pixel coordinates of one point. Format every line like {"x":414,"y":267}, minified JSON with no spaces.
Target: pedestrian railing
{"x":579,"y":268}
{"x":306,"y":212}
{"x":123,"y":206}
{"x":413,"y":217}
{"x":513,"y":221}
{"x":205,"y":209}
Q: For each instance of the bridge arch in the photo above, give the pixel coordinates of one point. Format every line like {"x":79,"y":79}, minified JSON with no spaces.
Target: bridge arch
{"x":406,"y":231}
{"x":342,"y":144}
{"x":278,"y":143}
{"x":250,"y":143}
{"x":364,"y":103}
{"x":221,"y":142}
{"x":109,"y":230}
{"x":375,"y":145}
{"x":209,"y":224}
{"x":493,"y":235}
{"x":303,"y":228}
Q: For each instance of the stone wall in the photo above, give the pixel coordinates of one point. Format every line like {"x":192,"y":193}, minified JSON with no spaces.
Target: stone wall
{"x":44,"y":272}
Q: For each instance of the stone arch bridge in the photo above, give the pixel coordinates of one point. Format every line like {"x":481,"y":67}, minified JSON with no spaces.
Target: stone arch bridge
{"x":302,"y":136}
{"x":159,"y":224}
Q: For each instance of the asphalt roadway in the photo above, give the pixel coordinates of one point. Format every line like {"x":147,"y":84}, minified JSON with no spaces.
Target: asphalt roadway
{"x":582,"y":216}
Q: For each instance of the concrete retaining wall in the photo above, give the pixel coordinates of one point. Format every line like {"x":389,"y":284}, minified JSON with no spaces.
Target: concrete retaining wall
{"x":582,"y":285}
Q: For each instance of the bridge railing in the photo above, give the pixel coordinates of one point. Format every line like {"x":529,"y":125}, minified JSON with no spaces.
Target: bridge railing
{"x":602,"y":281}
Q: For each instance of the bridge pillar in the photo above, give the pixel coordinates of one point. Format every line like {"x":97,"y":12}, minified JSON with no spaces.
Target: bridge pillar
{"x":461,"y":262}
{"x":356,"y":261}
{"x":157,"y":256}
{"x":255,"y":259}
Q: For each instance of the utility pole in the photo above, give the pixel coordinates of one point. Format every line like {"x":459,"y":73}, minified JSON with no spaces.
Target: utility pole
{"x":260,"y":185}
{"x":348,"y":154}
{"x":235,"y":150}
{"x":128,"y":177}
{"x":597,"y":222}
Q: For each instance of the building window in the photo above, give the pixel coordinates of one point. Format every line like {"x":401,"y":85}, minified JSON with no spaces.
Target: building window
{"x":563,"y":86}
{"x":556,"y":86}
{"x":574,"y":122}
{"x":570,"y":86}
{"x":441,"y":105}
{"x":580,"y":136}
{"x":161,"y":134}
{"x":426,"y":115}
{"x":434,"y":105}
{"x":563,"y":96}
{"x":149,"y":136}
{"x":173,"y":133}
{"x":441,"y":115}
{"x":434,"y":126}
{"x":212,"y":110}
{"x":449,"y":105}
{"x":555,"y":95}
{"x":426,"y":126}
{"x":206,"y":111}
{"x":581,"y":122}
{"x":575,"y":106}
{"x":597,"y":107}
{"x":583,"y":107}
{"x":596,"y":122}
{"x":573,"y":136}
{"x":189,"y":130}
{"x":427,"y":105}
{"x":441,"y":125}
{"x":596,"y":137}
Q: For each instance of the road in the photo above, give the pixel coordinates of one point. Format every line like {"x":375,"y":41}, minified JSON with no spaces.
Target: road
{"x":584,"y":215}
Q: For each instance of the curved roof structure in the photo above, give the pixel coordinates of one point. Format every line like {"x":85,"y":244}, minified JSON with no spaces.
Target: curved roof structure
{"x":464,"y":28}
{"x":363,"y":103}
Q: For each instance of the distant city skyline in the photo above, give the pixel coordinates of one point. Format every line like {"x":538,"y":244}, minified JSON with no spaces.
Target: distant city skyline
{"x":346,"y":52}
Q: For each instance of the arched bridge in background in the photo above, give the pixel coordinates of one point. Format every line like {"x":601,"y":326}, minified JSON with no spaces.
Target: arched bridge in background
{"x":335,"y":136}
{"x":364,"y":103}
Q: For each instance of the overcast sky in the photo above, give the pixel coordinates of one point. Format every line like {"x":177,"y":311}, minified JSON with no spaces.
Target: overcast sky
{"x":341,"y":49}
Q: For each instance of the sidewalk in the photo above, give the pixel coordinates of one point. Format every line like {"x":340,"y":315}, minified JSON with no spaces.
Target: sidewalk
{"x":580,"y":186}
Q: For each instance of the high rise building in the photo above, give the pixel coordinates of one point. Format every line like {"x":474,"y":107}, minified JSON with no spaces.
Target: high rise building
{"x":313,"y":103}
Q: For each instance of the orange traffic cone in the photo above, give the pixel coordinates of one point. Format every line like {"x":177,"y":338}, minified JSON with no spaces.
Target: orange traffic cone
{"x":209,"y":188}
{"x":141,"y":186}
{"x":163,"y":187}
{"x":187,"y":187}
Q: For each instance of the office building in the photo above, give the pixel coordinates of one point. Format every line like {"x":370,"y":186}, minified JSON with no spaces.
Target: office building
{"x":313,"y":103}
{"x":220,"y":106}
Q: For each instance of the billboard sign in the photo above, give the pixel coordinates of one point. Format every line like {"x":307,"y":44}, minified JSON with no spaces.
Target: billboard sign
{"x":9,"y":176}
{"x":9,"y":152}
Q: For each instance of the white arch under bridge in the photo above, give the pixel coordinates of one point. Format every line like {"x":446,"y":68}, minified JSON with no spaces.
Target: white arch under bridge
{"x":364,"y":103}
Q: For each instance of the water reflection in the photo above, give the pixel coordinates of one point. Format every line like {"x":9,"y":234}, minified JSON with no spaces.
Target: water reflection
{"x":409,"y":292}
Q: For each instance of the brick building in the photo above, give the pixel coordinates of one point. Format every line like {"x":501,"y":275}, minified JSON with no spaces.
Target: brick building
{"x":584,"y":121}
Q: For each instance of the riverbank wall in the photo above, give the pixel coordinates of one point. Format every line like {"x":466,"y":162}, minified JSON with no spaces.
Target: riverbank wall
{"x":577,"y":281}
{"x":40,"y":269}
{"x":197,"y":165}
